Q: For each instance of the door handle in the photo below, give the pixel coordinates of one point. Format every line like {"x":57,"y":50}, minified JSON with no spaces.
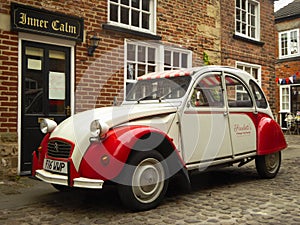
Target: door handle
{"x":68,"y":110}
{"x":225,"y":114}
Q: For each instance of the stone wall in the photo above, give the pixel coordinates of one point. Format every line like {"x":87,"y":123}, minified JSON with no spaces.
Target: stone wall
{"x":8,"y":156}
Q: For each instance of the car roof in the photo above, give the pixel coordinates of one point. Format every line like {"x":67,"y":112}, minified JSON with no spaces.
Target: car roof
{"x":194,"y":71}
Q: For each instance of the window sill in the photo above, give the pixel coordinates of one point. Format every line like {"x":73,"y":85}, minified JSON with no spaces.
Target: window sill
{"x":129,"y":31}
{"x":259,"y":43}
{"x":288,"y":59}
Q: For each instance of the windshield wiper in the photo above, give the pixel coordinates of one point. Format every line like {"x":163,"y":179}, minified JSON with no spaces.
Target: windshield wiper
{"x":147,"y":96}
{"x":170,"y":92}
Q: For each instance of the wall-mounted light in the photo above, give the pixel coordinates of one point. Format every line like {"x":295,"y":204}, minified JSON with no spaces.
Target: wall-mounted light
{"x":94,"y":41}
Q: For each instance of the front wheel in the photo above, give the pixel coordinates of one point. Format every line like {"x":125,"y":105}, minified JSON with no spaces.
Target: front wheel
{"x":268,"y":165}
{"x":144,"y":181}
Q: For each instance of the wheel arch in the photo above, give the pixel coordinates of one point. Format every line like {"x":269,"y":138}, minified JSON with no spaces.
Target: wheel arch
{"x":161,"y":142}
{"x":270,"y":137}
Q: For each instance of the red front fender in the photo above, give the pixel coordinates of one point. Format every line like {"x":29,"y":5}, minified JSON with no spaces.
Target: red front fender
{"x":105,"y":159}
{"x":39,"y":154}
{"x":270,"y":137}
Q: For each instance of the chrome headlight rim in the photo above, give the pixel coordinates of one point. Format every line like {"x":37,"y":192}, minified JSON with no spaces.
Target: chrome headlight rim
{"x":98,"y":128}
{"x":47,"y":125}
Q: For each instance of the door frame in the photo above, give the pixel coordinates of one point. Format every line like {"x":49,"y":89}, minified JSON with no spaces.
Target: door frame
{"x":43,"y":40}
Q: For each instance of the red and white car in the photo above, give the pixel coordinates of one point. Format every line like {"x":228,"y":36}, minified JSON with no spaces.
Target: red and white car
{"x":171,"y":123}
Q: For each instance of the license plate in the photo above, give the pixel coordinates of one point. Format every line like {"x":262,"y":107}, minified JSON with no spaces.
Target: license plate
{"x":55,"y":166}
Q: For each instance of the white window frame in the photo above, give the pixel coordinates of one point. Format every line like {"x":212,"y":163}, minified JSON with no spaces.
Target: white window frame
{"x":152,"y":17}
{"x":244,"y":66}
{"x":159,"y":58}
{"x":288,"y":44}
{"x":247,"y":22}
{"x":285,"y":98}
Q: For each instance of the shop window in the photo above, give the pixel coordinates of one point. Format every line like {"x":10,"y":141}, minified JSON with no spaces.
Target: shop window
{"x":133,"y":14}
{"x":295,"y":97}
{"x":285,"y":99}
{"x":289,"y":43}
{"x":247,"y":19}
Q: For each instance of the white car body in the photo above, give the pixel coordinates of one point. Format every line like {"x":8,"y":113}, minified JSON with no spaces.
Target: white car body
{"x":212,"y":116}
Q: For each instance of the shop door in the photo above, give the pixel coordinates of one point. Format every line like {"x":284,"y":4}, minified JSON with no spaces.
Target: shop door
{"x":45,"y":93}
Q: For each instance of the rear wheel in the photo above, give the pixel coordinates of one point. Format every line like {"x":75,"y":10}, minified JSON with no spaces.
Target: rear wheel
{"x":144,"y":181}
{"x":268,"y":166}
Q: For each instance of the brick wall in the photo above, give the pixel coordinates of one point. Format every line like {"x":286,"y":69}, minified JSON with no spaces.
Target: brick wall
{"x":285,"y":67}
{"x":99,"y":79}
{"x":235,"y":49}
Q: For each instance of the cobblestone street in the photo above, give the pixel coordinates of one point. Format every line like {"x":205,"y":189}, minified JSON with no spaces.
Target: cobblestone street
{"x":226,"y":196}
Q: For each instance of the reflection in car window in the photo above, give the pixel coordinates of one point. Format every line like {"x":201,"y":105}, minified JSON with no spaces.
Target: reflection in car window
{"x":237,"y":94}
{"x":260,"y":99}
{"x":208,"y":92}
{"x":160,"y":88}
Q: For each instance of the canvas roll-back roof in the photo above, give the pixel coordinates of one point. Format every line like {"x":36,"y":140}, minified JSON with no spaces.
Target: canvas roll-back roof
{"x":169,"y":73}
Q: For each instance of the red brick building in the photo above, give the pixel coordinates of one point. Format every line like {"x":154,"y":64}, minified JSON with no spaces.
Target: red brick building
{"x":287,"y":22}
{"x":49,"y":67}
{"x":247,"y":40}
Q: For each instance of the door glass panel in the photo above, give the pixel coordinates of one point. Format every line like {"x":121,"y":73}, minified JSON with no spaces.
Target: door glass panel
{"x":57,"y":82}
{"x":237,"y":94}
{"x":33,"y":91}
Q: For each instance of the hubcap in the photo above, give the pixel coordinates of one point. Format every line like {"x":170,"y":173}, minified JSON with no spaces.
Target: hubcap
{"x":272,"y":162}
{"x":148,"y":180}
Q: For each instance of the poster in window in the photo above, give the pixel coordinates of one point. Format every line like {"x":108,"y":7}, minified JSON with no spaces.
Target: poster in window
{"x":57,"y":85}
{"x":34,"y":64}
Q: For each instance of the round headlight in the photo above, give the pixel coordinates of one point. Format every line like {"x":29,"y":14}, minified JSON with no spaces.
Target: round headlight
{"x":47,"y":126}
{"x":98,"y":128}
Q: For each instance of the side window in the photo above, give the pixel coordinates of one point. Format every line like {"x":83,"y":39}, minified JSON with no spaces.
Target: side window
{"x":260,"y":99}
{"x":237,"y":94}
{"x":208,"y":92}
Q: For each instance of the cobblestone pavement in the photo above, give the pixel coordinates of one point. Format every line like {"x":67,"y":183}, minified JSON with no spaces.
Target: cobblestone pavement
{"x":227,"y":196}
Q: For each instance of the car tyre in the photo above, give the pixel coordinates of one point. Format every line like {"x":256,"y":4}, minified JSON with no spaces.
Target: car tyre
{"x":144,"y":181}
{"x":268,"y":165}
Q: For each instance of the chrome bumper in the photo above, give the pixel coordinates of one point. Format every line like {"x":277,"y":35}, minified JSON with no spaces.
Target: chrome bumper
{"x":80,"y":182}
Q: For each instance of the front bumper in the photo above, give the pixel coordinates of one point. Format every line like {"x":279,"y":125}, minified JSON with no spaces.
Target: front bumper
{"x":80,"y":182}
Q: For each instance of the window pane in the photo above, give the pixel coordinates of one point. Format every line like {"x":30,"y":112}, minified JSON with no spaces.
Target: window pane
{"x":135,"y":18}
{"x":131,"y":52}
{"x":151,"y":55}
{"x":184,"y":60}
{"x":167,"y":58}
{"x":146,"y":5}
{"x":238,"y":14}
{"x":141,"y":70}
{"x":130,"y":71}
{"x":244,"y":4}
{"x":125,"y":15}
{"x":151,"y":69}
{"x":141,"y":54}
{"x":145,"y":23}
{"x":176,"y":59}
{"x":125,"y":2}
{"x":135,"y":3}
{"x":294,"y":42}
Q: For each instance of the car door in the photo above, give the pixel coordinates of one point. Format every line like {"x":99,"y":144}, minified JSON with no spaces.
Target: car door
{"x":204,"y":122}
{"x":242,"y":116}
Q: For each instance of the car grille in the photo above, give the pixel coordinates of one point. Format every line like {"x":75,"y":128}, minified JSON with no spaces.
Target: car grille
{"x":59,"y":149}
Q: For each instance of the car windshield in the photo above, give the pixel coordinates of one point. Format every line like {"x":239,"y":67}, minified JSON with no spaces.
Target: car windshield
{"x":160,"y":88}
